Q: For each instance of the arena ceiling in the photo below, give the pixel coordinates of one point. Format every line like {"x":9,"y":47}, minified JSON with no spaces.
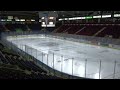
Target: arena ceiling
{"x":61,"y":14}
{"x":34,"y":13}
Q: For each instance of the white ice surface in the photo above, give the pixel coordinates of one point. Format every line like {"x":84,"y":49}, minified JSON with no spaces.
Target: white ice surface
{"x":74,"y":56}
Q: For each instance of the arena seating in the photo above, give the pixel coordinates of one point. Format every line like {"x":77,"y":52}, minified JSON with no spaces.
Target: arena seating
{"x":114,"y":31}
{"x":14,"y":67}
{"x":91,"y":29}
{"x":10,"y":27}
{"x":13,"y":27}
{"x":73,"y":28}
{"x":24,"y":27}
{"x":6,"y":72}
{"x":34,"y":26}
{"x":21,"y":26}
{"x":2,"y":29}
{"x":62,"y":28}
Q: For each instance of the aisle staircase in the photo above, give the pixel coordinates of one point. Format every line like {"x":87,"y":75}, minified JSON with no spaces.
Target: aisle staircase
{"x":80,"y":30}
{"x":99,"y":31}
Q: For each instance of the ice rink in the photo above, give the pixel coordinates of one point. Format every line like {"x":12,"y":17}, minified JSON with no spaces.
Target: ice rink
{"x":78,"y":59}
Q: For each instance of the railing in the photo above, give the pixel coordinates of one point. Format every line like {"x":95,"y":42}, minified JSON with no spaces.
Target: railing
{"x":57,"y":67}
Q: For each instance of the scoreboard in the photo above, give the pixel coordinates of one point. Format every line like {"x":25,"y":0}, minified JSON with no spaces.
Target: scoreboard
{"x":48,"y":18}
{"x":48,"y":21}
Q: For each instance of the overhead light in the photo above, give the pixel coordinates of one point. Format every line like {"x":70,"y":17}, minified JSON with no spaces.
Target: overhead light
{"x":88,"y":17}
{"x":60,"y":19}
{"x":3,"y":20}
{"x":116,"y":15}
{"x":22,"y":19}
{"x":32,"y":19}
{"x":9,"y":20}
{"x":43,"y":18}
{"x":17,"y":20}
{"x":106,"y":16}
{"x":43,"y":23}
{"x":51,"y":23}
{"x":82,"y":17}
{"x":39,"y":20}
{"x":51,"y":17}
{"x":65,"y":18}
{"x":99,"y":16}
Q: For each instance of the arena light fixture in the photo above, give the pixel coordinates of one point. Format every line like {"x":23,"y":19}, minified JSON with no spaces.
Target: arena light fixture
{"x":65,"y":18}
{"x":39,"y":20}
{"x":99,"y":16}
{"x":78,"y":17}
{"x":17,"y":20}
{"x":82,"y":17}
{"x":51,"y":23}
{"x":60,"y":19}
{"x":88,"y":17}
{"x":116,"y":15}
{"x":51,"y":17}
{"x":3,"y":20}
{"x":106,"y":16}
{"x":70,"y":18}
{"x":43,"y":23}
{"x":43,"y":18}
{"x":32,"y":19}
{"x":48,"y":25}
{"x":9,"y":20}
{"x":22,"y":19}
